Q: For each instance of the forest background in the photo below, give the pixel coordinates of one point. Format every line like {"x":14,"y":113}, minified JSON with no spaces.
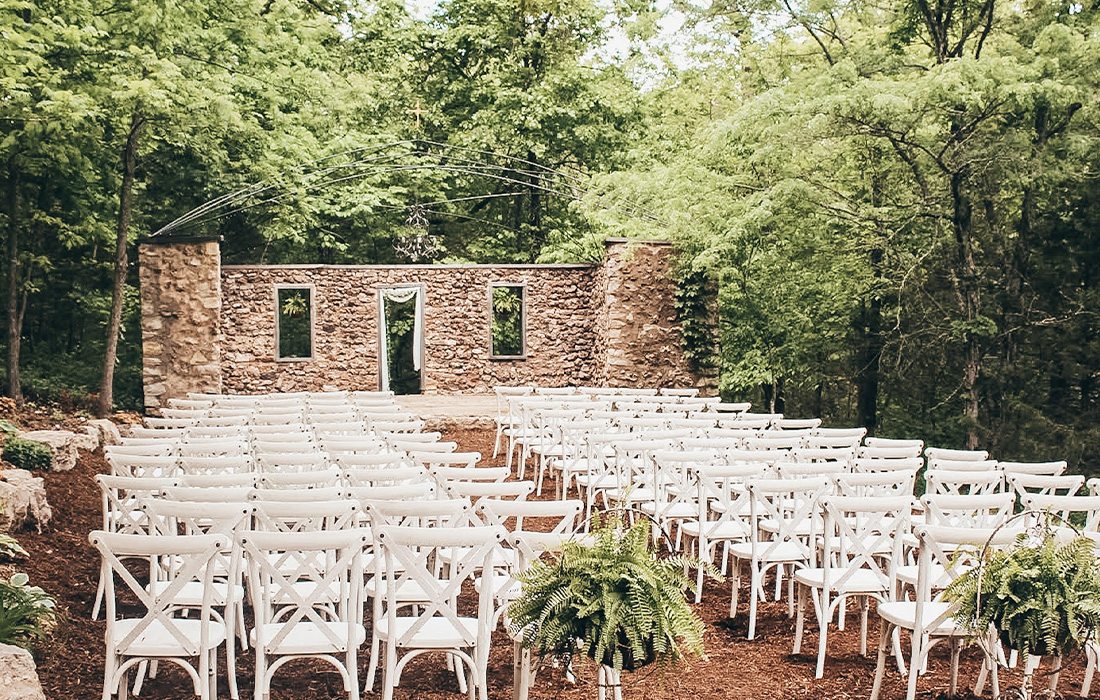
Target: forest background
{"x":892,"y":205}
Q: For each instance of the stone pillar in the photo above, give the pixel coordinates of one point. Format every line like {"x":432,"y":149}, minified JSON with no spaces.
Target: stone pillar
{"x":639,"y":334}
{"x":181,"y":303}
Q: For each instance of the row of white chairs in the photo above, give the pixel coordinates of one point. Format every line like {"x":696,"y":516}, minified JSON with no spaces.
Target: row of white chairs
{"x":302,"y":594}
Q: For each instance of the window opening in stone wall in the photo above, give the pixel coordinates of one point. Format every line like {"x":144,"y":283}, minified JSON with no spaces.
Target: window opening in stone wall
{"x":508,"y":320}
{"x":402,"y":311}
{"x":294,"y":323}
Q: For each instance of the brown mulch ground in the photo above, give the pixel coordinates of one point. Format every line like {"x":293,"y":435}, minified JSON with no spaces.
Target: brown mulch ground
{"x":71,"y":661}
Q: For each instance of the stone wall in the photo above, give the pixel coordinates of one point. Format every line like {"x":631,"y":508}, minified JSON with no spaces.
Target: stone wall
{"x":180,"y":318}
{"x":208,"y":327}
{"x":560,"y":332}
{"x":640,"y":334}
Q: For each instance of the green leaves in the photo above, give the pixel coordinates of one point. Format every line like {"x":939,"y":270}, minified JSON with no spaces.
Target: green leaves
{"x":614,"y":598}
{"x":1042,"y":597}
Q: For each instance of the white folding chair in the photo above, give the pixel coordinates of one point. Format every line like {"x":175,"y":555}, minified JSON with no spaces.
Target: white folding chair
{"x":983,"y":511}
{"x":1025,"y":484}
{"x":944,"y":553}
{"x":121,"y":500}
{"x":156,"y":633}
{"x":887,"y":484}
{"x":956,"y":455}
{"x":443,"y":474}
{"x":477,"y":490}
{"x":1036,"y":468}
{"x":227,"y":596}
{"x":422,"y":491}
{"x":299,"y":481}
{"x":722,"y":512}
{"x":783,"y":527}
{"x":436,"y":625}
{"x":306,"y":591}
{"x":958,"y":483}
{"x":862,"y":544}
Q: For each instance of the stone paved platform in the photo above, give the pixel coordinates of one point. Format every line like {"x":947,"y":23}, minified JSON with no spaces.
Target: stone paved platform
{"x":462,"y":410}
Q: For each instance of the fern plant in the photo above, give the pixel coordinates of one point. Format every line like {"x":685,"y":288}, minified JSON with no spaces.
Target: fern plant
{"x":1042,"y":596}
{"x":613,"y":597}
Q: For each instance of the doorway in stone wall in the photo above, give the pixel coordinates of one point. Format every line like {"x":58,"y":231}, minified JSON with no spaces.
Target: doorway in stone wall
{"x":401,"y":339}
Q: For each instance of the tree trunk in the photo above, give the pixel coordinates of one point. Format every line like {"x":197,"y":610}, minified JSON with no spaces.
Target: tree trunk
{"x":125,"y":210}
{"x":14,"y":388}
{"x":969,"y":296}
{"x":869,"y":327}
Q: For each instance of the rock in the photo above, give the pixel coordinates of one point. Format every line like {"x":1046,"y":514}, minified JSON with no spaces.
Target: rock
{"x":88,"y":440}
{"x":109,"y":433}
{"x":18,"y":676}
{"x":22,"y":503}
{"x":62,"y":444}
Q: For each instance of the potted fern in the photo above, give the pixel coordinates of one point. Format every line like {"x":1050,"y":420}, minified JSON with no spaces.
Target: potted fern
{"x":612,"y":597}
{"x":1042,"y":595}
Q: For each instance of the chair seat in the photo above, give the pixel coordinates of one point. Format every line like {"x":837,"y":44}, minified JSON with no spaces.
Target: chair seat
{"x":631,"y":495}
{"x":859,"y":581}
{"x":597,"y":481}
{"x":716,"y":530}
{"x":157,"y":640}
{"x":191,"y":594}
{"x":667,"y":510}
{"x":407,"y":592}
{"x":436,"y":633}
{"x":309,"y":638}
{"x":785,"y":551}
{"x":907,"y":575}
{"x":904,"y":614}
{"x":501,"y":587}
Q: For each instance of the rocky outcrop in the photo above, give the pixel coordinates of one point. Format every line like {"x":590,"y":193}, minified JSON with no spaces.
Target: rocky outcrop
{"x":63,"y":446}
{"x":18,"y":675}
{"x":23,"y":501}
{"x":106,"y":432}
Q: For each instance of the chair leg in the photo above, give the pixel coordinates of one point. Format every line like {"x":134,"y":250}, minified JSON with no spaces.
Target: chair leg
{"x":863,"y":609}
{"x":735,"y":587}
{"x":372,"y":663}
{"x":799,"y":619}
{"x":822,"y":645}
{"x":351,"y":664}
{"x":1090,"y":670}
{"x":99,"y":592}
{"x":885,"y":634}
{"x":754,"y":588}
{"x":919,"y":643}
{"x":956,"y":647}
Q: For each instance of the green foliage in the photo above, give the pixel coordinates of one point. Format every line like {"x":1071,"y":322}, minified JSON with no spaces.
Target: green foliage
{"x":27,"y":454}
{"x":295,"y":323}
{"x":10,"y":548}
{"x":1042,"y":597}
{"x":508,"y":321}
{"x":26,"y":612}
{"x":614,"y":597}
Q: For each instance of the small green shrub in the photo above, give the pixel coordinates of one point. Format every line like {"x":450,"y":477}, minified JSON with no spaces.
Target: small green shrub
{"x":10,"y":548}
{"x":27,"y":454}
{"x":27,"y":612}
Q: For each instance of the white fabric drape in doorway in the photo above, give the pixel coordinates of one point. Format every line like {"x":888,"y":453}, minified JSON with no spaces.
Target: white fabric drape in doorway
{"x":400,"y":295}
